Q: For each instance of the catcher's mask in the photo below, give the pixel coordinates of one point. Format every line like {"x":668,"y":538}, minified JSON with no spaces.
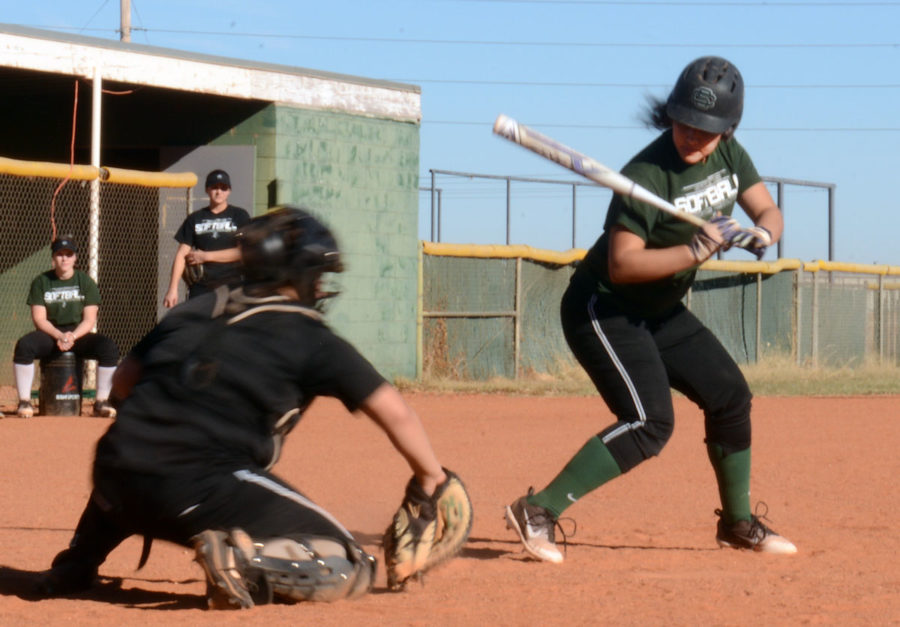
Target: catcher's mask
{"x":709,"y":95}
{"x":288,"y":246}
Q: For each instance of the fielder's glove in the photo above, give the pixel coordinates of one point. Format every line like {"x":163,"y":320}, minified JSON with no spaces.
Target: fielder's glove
{"x":426,"y":530}
{"x":192,"y":274}
{"x":755,"y":239}
{"x":454,"y":520}
{"x":407,"y":540}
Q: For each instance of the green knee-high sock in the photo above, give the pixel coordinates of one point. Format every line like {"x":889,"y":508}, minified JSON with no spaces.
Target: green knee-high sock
{"x":591,"y":467}
{"x":733,"y":476}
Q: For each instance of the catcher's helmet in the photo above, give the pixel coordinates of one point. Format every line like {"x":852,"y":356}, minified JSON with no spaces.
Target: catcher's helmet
{"x":287,"y":246}
{"x":709,"y":95}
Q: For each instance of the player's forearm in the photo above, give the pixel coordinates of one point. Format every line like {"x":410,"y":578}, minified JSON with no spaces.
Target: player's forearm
{"x":228,"y":255}
{"x":49,"y":328}
{"x":649,"y":264}
{"x":406,"y":432}
{"x":85,"y":327}
{"x":771,"y":220}
{"x":177,"y":271}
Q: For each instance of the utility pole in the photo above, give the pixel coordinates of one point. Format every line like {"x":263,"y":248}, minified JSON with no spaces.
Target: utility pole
{"x":125,"y":9}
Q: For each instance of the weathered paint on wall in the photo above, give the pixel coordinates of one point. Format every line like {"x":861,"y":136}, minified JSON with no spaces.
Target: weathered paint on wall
{"x":360,"y":175}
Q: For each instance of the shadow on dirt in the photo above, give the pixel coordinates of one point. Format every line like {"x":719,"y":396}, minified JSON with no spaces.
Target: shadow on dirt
{"x":22,"y":584}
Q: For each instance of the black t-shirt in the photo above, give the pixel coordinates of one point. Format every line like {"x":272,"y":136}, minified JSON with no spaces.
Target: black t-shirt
{"x":704,"y":189}
{"x":205,"y":230}
{"x":222,"y":392}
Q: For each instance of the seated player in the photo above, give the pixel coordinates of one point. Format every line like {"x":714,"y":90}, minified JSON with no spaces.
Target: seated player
{"x":64,"y":306}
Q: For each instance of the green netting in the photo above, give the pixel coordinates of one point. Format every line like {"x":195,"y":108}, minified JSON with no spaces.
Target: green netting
{"x":474,"y":336}
{"x":816,"y":318}
{"x":542,"y":347}
{"x":835,"y":319}
{"x":727,"y":304}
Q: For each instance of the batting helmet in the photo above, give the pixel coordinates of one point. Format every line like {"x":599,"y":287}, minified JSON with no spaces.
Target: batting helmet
{"x":709,"y":95}
{"x":287,"y":246}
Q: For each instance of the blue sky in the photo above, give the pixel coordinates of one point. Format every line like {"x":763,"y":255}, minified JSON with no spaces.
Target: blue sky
{"x":822,"y":93}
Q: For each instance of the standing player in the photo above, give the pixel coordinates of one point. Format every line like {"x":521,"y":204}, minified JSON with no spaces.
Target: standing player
{"x":64,"y":304}
{"x":209,"y":396}
{"x":623,"y":318}
{"x":206,"y":247}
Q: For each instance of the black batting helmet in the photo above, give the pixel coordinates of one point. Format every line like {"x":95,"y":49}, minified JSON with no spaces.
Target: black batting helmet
{"x":709,"y":95}
{"x":287,"y":246}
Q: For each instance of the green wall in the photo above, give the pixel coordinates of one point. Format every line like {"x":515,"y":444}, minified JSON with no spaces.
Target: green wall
{"x":360,"y":175}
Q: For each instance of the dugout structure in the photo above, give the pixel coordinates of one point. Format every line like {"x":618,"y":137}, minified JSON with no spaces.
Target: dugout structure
{"x":493,"y":311}
{"x":345,"y":147}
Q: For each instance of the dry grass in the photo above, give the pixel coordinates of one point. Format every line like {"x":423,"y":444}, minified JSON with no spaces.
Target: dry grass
{"x":774,"y":376}
{"x":780,"y":376}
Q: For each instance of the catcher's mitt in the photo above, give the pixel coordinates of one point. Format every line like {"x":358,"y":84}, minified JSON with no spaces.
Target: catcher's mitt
{"x":454,"y":520}
{"x":192,"y":274}
{"x":408,"y":539}
{"x":426,"y":530}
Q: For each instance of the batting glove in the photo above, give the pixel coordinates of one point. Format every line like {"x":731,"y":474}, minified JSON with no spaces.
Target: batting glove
{"x":728,"y":227}
{"x":712,"y":236}
{"x":755,"y":239}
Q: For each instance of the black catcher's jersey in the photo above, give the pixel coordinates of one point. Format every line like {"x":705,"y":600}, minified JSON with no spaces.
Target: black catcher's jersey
{"x":222,"y":391}
{"x":206,"y":230}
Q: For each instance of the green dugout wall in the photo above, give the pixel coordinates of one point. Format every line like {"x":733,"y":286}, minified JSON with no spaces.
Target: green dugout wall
{"x":360,"y":175}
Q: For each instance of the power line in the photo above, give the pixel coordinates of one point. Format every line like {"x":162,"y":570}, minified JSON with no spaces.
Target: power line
{"x":658,"y":3}
{"x":476,"y":42}
{"x":625,"y":85}
{"x":573,"y":44}
{"x":91,"y":19}
{"x":623,"y":127}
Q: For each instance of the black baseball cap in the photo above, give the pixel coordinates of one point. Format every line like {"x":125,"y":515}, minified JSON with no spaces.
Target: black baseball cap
{"x":63,"y":242}
{"x":218,"y":177}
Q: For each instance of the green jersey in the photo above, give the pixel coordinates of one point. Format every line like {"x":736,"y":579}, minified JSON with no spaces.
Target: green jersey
{"x":703,"y":189}
{"x":65,"y":299}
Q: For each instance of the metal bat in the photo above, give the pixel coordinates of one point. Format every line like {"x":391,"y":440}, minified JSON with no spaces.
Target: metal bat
{"x":585,"y":166}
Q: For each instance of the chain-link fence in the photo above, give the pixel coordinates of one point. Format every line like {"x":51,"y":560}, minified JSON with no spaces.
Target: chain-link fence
{"x":122,"y":222}
{"x":494,"y":310}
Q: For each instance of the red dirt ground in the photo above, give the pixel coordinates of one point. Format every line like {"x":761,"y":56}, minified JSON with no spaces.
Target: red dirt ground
{"x":644,"y":551}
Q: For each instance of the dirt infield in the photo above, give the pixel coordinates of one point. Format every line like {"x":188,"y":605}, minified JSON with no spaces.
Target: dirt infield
{"x":644,"y":551}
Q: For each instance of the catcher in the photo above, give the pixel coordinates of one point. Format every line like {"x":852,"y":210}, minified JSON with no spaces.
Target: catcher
{"x":206,"y":399}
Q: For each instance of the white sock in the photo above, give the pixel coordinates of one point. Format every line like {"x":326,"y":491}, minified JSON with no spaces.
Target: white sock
{"x":24,"y":378}
{"x":104,"y":381}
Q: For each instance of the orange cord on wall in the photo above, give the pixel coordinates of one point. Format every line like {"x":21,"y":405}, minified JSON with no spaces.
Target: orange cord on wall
{"x":71,"y":166}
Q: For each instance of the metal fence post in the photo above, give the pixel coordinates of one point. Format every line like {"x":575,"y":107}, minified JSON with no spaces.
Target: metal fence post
{"x":880,"y":324}
{"x":780,"y":191}
{"x":814,"y":330}
{"x":433,"y":220}
{"x":439,"y":207}
{"x":831,"y":223}
{"x":420,"y":308}
{"x":574,"y":188}
{"x":797,"y":318}
{"x":508,"y":207}
{"x":758,"y":316}
{"x":517,"y":319}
